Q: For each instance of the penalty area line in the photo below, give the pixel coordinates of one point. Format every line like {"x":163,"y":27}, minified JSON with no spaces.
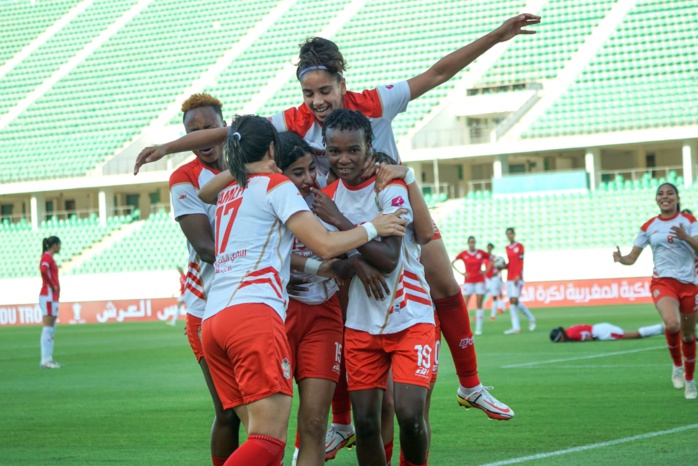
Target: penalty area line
{"x":592,"y":446}
{"x":579,"y":358}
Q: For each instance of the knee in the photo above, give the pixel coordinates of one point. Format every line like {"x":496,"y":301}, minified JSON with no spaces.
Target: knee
{"x":388,"y":406}
{"x":313,"y":424}
{"x":412,"y":424}
{"x":367,"y":425}
{"x":228,"y":418}
{"x":672,"y":327}
{"x":688,"y":335}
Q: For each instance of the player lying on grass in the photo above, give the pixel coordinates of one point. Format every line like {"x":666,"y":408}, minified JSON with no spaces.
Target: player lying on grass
{"x":602,"y":332}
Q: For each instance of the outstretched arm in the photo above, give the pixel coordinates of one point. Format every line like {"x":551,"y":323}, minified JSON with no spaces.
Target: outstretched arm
{"x":448,"y":66}
{"x":630,"y":259}
{"x":192,"y":141}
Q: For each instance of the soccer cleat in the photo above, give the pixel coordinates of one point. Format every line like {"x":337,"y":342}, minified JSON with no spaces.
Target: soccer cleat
{"x":512,"y":331}
{"x":482,"y":400}
{"x":677,"y":377}
{"x":502,"y":311}
{"x":50,"y":365}
{"x":335,"y":440}
{"x":532,"y":325}
{"x":690,"y":393}
{"x":478,"y":332}
{"x":493,"y":318}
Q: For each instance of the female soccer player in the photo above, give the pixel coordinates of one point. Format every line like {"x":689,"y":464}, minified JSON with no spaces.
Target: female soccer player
{"x":243,"y":332}
{"x":673,"y":237}
{"x":602,"y":332}
{"x":493,"y":283}
{"x":48,"y":300}
{"x":474,"y":259}
{"x":515,"y":283}
{"x":197,"y":220}
{"x":320,"y":73}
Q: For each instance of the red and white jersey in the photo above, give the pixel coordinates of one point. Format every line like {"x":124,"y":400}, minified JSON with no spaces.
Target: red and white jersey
{"x":253,"y":245}
{"x":185,"y":183}
{"x":602,"y":331}
{"x":319,"y":289}
{"x":474,"y":262}
{"x":409,"y":302}
{"x":49,"y":277}
{"x":515,"y":259}
{"x":673,"y":258}
{"x":493,"y":270}
{"x":380,"y":105}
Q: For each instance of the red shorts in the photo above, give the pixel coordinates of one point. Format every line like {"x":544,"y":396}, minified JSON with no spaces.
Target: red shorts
{"x":247,"y":354}
{"x":437,"y":233}
{"x":437,"y":348}
{"x":194,"y":336}
{"x":315,"y":338}
{"x":684,"y":293}
{"x":369,"y":357}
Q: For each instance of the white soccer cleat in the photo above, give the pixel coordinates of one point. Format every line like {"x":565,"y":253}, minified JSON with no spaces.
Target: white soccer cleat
{"x":478,"y":332}
{"x":532,"y":325}
{"x":335,"y":440}
{"x":50,"y":365}
{"x":482,"y":400}
{"x":690,"y":393}
{"x":677,"y":377}
{"x":512,"y":331}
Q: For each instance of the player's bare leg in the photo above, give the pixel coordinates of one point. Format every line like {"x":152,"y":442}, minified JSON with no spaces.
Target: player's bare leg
{"x":410,"y":401}
{"x":266,"y":422}
{"x":225,"y":430}
{"x":369,"y":444}
{"x":387,"y":418}
{"x":427,"y":409}
{"x":315,"y":399}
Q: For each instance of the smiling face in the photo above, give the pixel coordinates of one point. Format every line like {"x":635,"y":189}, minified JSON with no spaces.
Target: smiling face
{"x":302,"y":173}
{"x":323,"y":92}
{"x":667,"y":199}
{"x":200,"y":118}
{"x":346,"y":152}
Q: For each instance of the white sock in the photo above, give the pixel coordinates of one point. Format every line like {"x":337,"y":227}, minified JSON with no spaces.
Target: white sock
{"x":514,"y":313}
{"x":342,"y":427}
{"x":469,"y":391}
{"x":47,"y":333}
{"x":479,"y":316}
{"x":651,"y":330}
{"x":494,"y":309}
{"x":526,"y":311}
{"x":500,"y":304}
{"x":176,"y":316}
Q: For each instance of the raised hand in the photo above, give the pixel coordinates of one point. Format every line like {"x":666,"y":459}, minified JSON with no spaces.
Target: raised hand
{"x":514,"y":26}
{"x":390,"y":224}
{"x":680,"y":232}
{"x":386,"y":173}
{"x":149,"y":155}
{"x":326,"y":209}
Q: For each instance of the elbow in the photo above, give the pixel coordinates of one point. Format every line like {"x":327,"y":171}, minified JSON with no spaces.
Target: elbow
{"x":424,"y":238}
{"x":389,"y":265}
{"x":326,"y":252}
{"x":206,"y":253}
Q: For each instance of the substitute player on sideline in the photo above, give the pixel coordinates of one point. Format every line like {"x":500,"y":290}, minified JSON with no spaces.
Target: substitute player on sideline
{"x":197,"y":220}
{"x":48,"y":300}
{"x":515,"y":283}
{"x":474,"y":284}
{"x":673,"y":237}
{"x":320,"y":73}
{"x":602,"y":332}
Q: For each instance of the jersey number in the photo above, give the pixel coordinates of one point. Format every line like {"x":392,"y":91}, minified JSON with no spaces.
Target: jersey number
{"x":231,"y":211}
{"x":670,"y":239}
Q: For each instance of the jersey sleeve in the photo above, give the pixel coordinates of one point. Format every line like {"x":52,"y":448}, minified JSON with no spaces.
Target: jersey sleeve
{"x":693,"y":228}
{"x":286,"y":200}
{"x":642,"y":239}
{"x":394,"y":197}
{"x":394,"y":99}
{"x":185,"y":200}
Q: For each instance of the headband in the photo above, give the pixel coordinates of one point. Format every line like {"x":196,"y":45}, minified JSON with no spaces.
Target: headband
{"x":313,"y":68}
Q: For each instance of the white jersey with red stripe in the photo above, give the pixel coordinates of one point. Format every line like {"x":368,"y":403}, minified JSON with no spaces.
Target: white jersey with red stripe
{"x":319,"y":289}
{"x":409,"y":302}
{"x":380,"y":105}
{"x":185,"y":183}
{"x":673,"y":258}
{"x":253,"y":245}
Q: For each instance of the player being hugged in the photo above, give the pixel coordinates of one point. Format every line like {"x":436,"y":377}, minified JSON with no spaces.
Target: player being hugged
{"x":515,"y":283}
{"x":673,"y":237}
{"x":474,"y":284}
{"x":48,"y":300}
{"x":243,"y":333}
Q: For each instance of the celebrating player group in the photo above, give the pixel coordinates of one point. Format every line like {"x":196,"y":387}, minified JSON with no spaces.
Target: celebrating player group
{"x":320,"y":261}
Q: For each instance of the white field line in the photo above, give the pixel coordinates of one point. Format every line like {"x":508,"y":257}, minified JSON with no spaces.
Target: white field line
{"x":579,"y":358}
{"x":592,"y":446}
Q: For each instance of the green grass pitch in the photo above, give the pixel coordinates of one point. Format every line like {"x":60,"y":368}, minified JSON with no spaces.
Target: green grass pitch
{"x":132,"y":394}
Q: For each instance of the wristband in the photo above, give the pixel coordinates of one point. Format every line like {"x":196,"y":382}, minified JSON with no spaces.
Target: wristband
{"x":370,"y":230}
{"x":312,"y":266}
{"x":409,"y":177}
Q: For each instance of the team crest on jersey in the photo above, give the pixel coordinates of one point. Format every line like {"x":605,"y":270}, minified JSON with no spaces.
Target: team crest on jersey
{"x":516,"y":249}
{"x":479,"y":256}
{"x":397,"y":201}
{"x":183,"y":196}
{"x":286,"y":368}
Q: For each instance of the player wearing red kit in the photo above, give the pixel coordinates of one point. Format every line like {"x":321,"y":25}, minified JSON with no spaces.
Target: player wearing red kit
{"x":515,"y":283}
{"x":48,"y":300}
{"x":602,"y":332}
{"x":474,"y":283}
{"x":673,"y":237}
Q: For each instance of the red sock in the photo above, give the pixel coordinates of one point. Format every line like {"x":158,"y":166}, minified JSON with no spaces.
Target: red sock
{"x":259,"y":450}
{"x":388,"y":451}
{"x":217,"y":460}
{"x":298,"y":439}
{"x":404,"y":462}
{"x":341,"y":403}
{"x":455,"y":326}
{"x":673,"y":341}
{"x":689,"y":358}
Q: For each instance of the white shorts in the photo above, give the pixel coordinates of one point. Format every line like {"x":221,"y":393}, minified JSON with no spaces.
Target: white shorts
{"x":606,"y":332}
{"x":473,"y":288}
{"x":494,"y":285}
{"x":514,"y":288}
{"x":49,"y":307}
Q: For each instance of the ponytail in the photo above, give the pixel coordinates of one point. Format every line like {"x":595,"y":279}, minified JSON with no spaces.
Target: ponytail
{"x":249,"y":139}
{"x":48,"y":242}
